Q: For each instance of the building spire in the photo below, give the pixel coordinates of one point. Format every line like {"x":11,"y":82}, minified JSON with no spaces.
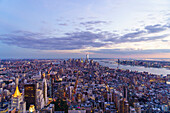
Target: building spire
{"x":17,"y":92}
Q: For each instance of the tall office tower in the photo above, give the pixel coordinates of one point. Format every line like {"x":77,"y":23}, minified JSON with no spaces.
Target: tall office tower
{"x":40,"y":99}
{"x":125,"y":92}
{"x":61,"y":71}
{"x":118,"y":63}
{"x":17,"y":97}
{"x":137,"y":107}
{"x":121,"y":109}
{"x":39,"y":73}
{"x":87,"y":57}
{"x":52,"y":87}
{"x":60,"y":91}
{"x":44,"y":84}
{"x":126,"y":106}
{"x":1,"y":94}
{"x":30,"y":95}
{"x":70,"y":90}
{"x":91,"y":62}
{"x":79,"y":97}
{"x":23,"y":107}
{"x":109,"y":97}
{"x":116,"y":100}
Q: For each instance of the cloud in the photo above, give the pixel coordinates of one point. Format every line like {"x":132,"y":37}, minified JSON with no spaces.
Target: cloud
{"x":165,"y":40}
{"x":130,"y":51}
{"x":96,"y":30}
{"x":93,"y":22}
{"x":89,"y":28}
{"x":134,"y":37}
{"x":77,"y":40}
{"x":63,"y":24}
{"x":167,"y":26}
{"x":139,"y":35}
{"x":43,"y":22}
{"x":155,"y":28}
{"x":81,"y":18}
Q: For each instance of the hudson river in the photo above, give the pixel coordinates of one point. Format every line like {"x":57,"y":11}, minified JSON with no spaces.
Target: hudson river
{"x":112,"y":64}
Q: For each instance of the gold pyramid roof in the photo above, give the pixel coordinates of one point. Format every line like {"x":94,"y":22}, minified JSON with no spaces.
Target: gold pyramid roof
{"x":17,"y":93}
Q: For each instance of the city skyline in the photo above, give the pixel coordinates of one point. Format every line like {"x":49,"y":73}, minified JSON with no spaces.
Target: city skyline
{"x":63,"y":29}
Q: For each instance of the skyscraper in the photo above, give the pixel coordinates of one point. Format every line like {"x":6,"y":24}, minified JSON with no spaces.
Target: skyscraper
{"x":125,"y":92}
{"x":17,"y":97}
{"x":30,"y":95}
{"x":39,"y":99}
{"x":87,"y":57}
{"x":45,"y":90}
{"x":22,"y":107}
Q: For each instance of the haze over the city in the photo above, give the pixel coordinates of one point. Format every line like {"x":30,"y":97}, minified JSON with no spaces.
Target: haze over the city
{"x":73,"y":28}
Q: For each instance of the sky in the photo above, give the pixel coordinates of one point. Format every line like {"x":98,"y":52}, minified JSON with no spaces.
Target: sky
{"x":74,"y":28}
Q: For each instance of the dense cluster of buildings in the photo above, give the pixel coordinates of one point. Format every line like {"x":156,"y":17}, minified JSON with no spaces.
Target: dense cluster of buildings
{"x":146,"y":63}
{"x":86,"y":86}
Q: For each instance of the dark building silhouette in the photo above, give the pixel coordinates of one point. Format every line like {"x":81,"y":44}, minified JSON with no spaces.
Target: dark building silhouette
{"x":125,"y":92}
{"x":30,"y":95}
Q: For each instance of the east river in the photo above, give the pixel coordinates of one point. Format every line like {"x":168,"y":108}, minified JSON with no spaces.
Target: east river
{"x":113,"y":64}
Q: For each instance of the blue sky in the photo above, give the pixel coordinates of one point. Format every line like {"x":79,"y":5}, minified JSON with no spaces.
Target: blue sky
{"x":73,"y":28}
